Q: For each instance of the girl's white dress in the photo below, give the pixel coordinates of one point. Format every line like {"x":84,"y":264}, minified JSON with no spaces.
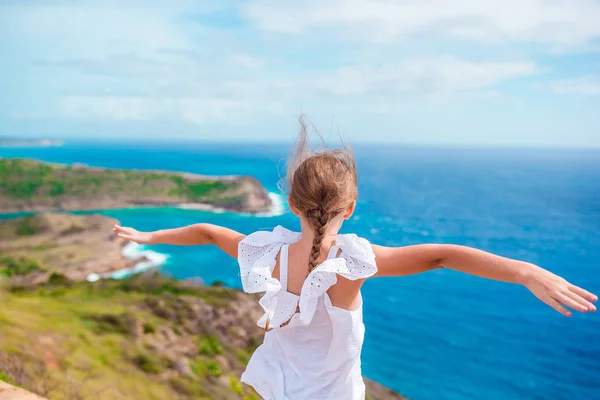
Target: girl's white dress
{"x":316,"y":355}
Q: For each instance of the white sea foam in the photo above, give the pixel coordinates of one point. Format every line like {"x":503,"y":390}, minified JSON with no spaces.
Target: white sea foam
{"x":202,"y":207}
{"x":134,"y":251}
{"x":277,"y":206}
{"x":93,"y":277}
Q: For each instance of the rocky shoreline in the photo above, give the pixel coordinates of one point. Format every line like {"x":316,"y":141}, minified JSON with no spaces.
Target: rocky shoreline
{"x":74,"y":246}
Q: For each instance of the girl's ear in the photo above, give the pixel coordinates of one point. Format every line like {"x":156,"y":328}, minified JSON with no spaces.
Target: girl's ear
{"x":350,"y":210}
{"x":292,"y":208}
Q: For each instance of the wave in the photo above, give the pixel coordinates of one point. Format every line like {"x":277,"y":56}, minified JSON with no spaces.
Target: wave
{"x":278,"y":206}
{"x":202,"y":207}
{"x":134,"y":251}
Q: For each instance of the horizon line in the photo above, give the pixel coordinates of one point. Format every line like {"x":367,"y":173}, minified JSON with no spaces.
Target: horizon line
{"x":221,"y":141}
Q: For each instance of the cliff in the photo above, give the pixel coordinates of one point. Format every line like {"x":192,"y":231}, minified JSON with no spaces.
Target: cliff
{"x":146,"y":337}
{"x":28,"y":185}
{"x":72,"y":246}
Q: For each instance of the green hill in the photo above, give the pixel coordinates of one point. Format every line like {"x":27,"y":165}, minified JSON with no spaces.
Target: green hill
{"x":29,"y":185}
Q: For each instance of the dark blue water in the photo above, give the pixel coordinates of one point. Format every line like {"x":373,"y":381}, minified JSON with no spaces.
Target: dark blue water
{"x":443,"y":334}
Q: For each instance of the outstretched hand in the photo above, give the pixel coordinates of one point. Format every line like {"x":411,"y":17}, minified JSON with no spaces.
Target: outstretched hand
{"x":133,"y":235}
{"x":558,"y":293}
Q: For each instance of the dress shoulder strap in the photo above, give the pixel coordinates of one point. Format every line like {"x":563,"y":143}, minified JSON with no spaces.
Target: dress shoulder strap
{"x":283,"y":266}
{"x":333,"y":252}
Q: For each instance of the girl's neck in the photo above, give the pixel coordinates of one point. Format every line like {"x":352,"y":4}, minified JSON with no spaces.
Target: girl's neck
{"x":306,"y":241}
{"x":308,"y":235}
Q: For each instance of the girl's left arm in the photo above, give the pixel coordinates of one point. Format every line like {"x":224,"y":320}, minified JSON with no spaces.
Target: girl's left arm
{"x":546,"y":286}
{"x":224,"y":238}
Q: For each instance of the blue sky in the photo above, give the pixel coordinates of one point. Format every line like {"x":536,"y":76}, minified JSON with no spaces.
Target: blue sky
{"x":465,"y":72}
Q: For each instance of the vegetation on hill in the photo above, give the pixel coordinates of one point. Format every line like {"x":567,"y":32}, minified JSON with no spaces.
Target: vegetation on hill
{"x":32,"y":185}
{"x":144,"y":338}
{"x":147,"y":337}
{"x":17,"y":266}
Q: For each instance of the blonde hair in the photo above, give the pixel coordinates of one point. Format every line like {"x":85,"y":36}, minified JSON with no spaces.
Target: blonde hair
{"x":320,"y":184}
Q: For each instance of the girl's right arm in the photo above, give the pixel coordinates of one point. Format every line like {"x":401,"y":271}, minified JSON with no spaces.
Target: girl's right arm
{"x":197,"y":234}
{"x":546,"y":286}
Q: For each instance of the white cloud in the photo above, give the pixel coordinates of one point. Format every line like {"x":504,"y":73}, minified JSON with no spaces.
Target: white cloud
{"x":443,"y":75}
{"x":586,"y":85}
{"x":95,"y":29}
{"x":194,"y":110}
{"x":197,"y":109}
{"x":117,"y":108}
{"x":545,"y":21}
{"x":229,"y":102}
{"x":201,"y":111}
{"x":248,"y":60}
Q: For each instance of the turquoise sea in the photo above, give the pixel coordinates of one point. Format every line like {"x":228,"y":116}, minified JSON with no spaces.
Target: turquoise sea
{"x":443,"y":334}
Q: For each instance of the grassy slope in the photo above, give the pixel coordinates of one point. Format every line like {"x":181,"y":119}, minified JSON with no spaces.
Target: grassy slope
{"x":86,"y":331}
{"x":143,"y":338}
{"x":27,"y":181}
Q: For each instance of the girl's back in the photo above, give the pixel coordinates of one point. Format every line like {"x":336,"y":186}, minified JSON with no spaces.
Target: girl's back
{"x":312,"y":346}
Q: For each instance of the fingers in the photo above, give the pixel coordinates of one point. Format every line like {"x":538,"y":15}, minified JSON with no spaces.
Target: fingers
{"x":122,"y":229}
{"x":558,"y":307}
{"x":569,"y":302}
{"x":583,"y":293}
{"x":574,"y":296}
{"x":126,"y":236}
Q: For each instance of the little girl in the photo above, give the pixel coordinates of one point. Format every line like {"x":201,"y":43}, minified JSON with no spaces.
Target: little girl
{"x":312,"y":279}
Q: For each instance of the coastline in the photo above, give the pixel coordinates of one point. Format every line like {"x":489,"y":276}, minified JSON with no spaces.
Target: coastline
{"x":145,"y":260}
{"x":277,"y":207}
{"x":150,"y":259}
{"x":137,"y":258}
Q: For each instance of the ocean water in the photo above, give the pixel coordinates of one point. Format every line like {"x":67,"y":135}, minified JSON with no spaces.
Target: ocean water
{"x":442,"y":334}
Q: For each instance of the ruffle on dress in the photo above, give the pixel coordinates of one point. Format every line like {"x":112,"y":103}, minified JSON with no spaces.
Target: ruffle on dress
{"x":257,"y":255}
